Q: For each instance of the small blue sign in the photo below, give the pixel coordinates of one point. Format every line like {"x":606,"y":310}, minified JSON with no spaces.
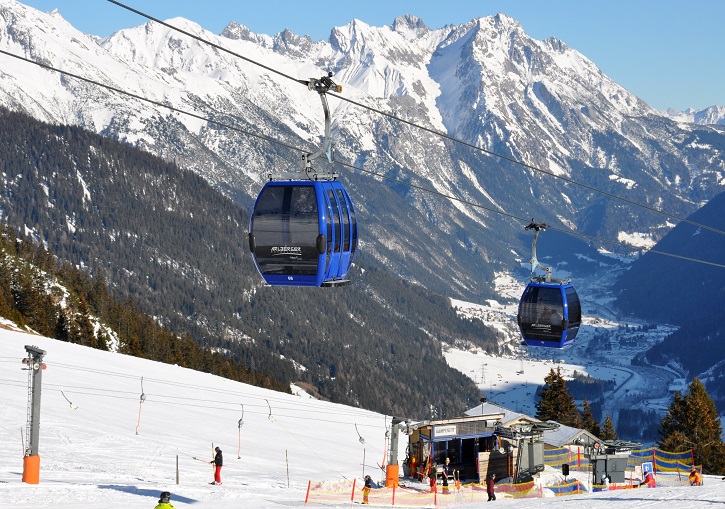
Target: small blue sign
{"x":647,"y":468}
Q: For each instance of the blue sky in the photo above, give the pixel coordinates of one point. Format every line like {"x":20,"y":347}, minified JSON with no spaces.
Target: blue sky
{"x":670,"y":53}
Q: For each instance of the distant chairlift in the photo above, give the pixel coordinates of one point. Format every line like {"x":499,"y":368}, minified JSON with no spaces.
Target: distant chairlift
{"x":549,"y":310}
{"x":303,"y":230}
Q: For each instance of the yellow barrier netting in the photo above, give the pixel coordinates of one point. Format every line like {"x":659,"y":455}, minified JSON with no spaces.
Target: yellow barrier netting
{"x":341,"y":492}
{"x":663,"y":461}
{"x":671,"y":469}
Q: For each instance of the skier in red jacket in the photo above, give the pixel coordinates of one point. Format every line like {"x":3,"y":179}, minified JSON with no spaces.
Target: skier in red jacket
{"x":649,"y":480}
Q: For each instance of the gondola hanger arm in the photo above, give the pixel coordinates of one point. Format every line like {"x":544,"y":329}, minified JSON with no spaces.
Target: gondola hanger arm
{"x":322,"y":86}
{"x":535,"y":264}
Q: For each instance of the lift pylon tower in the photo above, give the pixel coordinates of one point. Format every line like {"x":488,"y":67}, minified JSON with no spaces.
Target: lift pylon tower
{"x":31,"y":460}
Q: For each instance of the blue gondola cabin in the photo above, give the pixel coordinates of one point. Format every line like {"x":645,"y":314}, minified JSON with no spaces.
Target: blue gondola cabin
{"x":303,"y":233}
{"x":549,"y":314}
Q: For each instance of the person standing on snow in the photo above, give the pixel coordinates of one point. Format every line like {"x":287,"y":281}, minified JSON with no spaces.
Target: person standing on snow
{"x":218,"y":461}
{"x":605,"y":482}
{"x":367,"y":488}
{"x":447,"y":473}
{"x":164,"y":499}
{"x":433,"y":474}
{"x":490,"y":483}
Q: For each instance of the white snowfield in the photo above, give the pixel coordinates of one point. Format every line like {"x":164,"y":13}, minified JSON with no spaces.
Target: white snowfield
{"x":93,"y":457}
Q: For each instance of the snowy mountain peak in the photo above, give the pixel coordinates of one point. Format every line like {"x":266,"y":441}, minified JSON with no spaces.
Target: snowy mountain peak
{"x":236,"y":30}
{"x":485,"y":82}
{"x":503,"y":22}
{"x":712,"y":115}
{"x":351,"y":37}
{"x":410,"y":26}
{"x":292,"y":45}
{"x":240,"y":32}
{"x":24,"y":25}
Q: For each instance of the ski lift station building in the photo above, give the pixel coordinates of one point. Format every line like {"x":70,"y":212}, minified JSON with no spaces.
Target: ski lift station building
{"x":481,"y":442}
{"x":488,"y":439}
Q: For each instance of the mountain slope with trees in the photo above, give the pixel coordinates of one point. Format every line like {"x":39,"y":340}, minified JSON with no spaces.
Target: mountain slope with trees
{"x":165,"y":238}
{"x":680,"y":292}
{"x":54,"y":299}
{"x":485,"y":82}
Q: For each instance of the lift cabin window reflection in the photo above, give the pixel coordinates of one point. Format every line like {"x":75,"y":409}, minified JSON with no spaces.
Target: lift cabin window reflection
{"x":285,"y":230}
{"x":574,"y":311}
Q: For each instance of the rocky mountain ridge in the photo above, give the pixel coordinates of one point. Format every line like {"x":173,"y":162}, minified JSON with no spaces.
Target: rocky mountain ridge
{"x":485,"y":82}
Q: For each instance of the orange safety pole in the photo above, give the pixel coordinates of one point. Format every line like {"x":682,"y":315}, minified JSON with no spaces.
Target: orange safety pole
{"x":391,"y":475}
{"x":578,"y":457}
{"x":309,"y":483}
{"x":141,"y":400}
{"x":352,"y":496}
{"x":654,"y":460}
{"x":138,"y":423}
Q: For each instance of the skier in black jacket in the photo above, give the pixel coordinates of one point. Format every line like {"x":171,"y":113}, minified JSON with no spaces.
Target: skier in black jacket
{"x":218,"y":461}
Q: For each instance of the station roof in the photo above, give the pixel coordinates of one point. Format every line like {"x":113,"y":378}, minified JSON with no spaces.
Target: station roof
{"x":506,"y":415}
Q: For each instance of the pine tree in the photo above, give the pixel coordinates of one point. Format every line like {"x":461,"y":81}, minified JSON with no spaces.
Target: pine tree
{"x":608,"y":431}
{"x":587,"y":420}
{"x":556,"y":404}
{"x":692,"y":422}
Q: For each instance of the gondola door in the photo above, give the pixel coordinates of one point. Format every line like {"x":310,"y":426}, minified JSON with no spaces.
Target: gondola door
{"x":349,"y":228}
{"x":335,"y":225}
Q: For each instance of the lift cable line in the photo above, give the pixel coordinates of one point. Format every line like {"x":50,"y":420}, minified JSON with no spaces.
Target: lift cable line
{"x":523,"y":220}
{"x":154,"y":102}
{"x":272,"y":140}
{"x":427,"y":129}
{"x":221,"y":406}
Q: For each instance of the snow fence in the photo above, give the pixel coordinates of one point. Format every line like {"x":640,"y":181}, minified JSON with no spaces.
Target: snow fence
{"x":415,"y":496}
{"x":662,"y":461}
{"x":671,"y":469}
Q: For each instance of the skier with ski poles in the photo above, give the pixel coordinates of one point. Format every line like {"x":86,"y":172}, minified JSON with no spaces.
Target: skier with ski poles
{"x":218,"y":461}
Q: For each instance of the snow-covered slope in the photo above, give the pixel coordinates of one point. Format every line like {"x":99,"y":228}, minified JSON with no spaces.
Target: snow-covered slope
{"x":114,"y":451}
{"x":100,"y":447}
